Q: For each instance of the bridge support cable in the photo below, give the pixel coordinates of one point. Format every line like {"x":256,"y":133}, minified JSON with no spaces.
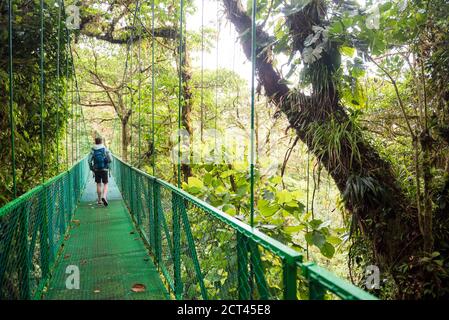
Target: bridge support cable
{"x":139,"y":94}
{"x":180,"y":91}
{"x":58,"y":71}
{"x":41,"y":85}
{"x":11,"y":98}
{"x":253,"y":71}
{"x":202,"y":74}
{"x":153,"y":146}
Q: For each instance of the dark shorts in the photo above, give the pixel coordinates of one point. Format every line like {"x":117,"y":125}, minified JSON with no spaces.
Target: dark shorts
{"x":101,"y":176}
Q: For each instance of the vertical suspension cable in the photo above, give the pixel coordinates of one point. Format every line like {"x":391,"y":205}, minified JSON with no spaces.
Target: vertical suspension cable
{"x":216,"y":81}
{"x":41,"y":87}
{"x":139,"y":93}
{"x":11,"y":97}
{"x":66,"y":87}
{"x":307,"y":197}
{"x":180,"y":98}
{"x":72,"y":118}
{"x":253,"y":71}
{"x":77,"y":129}
{"x":131,"y":88}
{"x":77,"y":120}
{"x":152,"y":90}
{"x":202,"y":73}
{"x":58,"y":47}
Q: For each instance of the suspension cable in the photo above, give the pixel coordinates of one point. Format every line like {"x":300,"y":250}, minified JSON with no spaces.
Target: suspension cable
{"x":253,"y":71}
{"x":131,"y":90}
{"x":202,"y":73}
{"x":139,"y":94}
{"x":72,"y":115}
{"x":41,"y":87}
{"x":180,"y":98}
{"x":216,"y":79}
{"x":307,"y":197}
{"x":58,"y":46}
{"x":66,"y":87}
{"x":152,"y":90}
{"x":11,"y":97}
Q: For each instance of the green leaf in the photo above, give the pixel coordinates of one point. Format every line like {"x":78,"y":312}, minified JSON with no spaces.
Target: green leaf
{"x":334,"y":240}
{"x":276,"y":180}
{"x":266,"y":209}
{"x":194,"y":185}
{"x":283,"y":196}
{"x":315,"y":238}
{"x":195,"y":182}
{"x":315,"y":223}
{"x":327,"y":250}
{"x":229,"y":209}
{"x":347,"y":51}
{"x":294,"y":229}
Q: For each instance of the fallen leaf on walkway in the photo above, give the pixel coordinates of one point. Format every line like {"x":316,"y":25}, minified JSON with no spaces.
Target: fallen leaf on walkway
{"x":83,"y":261}
{"x":138,"y":287}
{"x":77,"y":222}
{"x":67,"y":256}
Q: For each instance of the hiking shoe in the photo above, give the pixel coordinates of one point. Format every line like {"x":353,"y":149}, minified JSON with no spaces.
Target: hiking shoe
{"x":99,"y":202}
{"x":105,"y":202}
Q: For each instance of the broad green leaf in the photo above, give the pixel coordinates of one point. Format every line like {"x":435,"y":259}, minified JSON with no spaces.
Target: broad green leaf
{"x":347,"y":51}
{"x":327,"y":250}
{"x":294,"y":229}
{"x":283,"y":196}
{"x":194,"y":182}
{"x":333,"y":240}
{"x":266,"y":209}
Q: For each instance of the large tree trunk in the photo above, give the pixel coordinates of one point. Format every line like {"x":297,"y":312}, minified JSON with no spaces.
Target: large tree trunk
{"x":382,"y":214}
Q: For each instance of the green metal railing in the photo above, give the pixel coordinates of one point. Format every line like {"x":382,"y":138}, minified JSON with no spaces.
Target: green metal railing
{"x":203,"y":253}
{"x":32,"y":229}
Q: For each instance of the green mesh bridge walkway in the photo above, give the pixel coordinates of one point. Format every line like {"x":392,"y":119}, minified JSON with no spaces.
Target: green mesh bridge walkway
{"x":153,"y":234}
{"x":106,"y":247}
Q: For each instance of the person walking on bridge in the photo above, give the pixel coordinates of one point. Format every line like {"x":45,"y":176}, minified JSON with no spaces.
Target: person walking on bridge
{"x":99,"y":160}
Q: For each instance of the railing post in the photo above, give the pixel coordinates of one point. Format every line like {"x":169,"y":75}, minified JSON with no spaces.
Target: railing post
{"x":257,"y":270}
{"x":139,"y":200}
{"x":316,"y":291}
{"x":177,"y":245}
{"x":69,"y":196}
{"x":151,"y":214}
{"x":62,"y":210}
{"x":25,"y":292}
{"x":289,"y":279}
{"x":191,"y":246}
{"x":50,"y":216}
{"x":44,"y":240}
{"x":242,"y":267}
{"x":156,"y":227}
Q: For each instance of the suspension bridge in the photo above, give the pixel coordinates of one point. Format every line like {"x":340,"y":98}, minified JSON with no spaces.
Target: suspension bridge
{"x":153,"y":241}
